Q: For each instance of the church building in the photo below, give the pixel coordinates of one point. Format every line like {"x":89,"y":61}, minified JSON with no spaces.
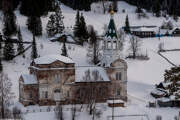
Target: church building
{"x":56,"y":79}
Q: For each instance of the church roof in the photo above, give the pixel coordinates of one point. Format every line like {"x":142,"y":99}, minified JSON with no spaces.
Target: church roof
{"x":111,"y":32}
{"x":52,"y":58}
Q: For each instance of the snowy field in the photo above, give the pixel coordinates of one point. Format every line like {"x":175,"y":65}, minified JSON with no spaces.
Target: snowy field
{"x":142,"y":75}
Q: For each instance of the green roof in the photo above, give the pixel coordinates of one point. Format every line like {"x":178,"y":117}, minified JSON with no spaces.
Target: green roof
{"x":111,"y":29}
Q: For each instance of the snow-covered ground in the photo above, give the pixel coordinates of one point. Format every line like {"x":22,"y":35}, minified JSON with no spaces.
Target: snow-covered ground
{"x":142,"y":75}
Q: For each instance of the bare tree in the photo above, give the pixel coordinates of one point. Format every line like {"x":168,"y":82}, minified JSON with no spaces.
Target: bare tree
{"x":73,"y":111}
{"x":135,"y":44}
{"x":6,"y":95}
{"x":59,"y":112}
{"x":94,"y":46}
{"x":90,"y":92}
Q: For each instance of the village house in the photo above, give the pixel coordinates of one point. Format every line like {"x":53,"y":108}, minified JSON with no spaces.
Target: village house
{"x":57,"y":79}
{"x":144,"y":31}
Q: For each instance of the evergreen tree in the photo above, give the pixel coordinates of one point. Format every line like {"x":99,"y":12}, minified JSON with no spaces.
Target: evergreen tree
{"x":10,"y":26}
{"x":1,"y":66}
{"x":156,"y":8}
{"x":173,"y":78}
{"x":59,"y":25}
{"x":64,"y":50}
{"x":76,"y":26}
{"x":8,"y":50}
{"x":34,"y":53}
{"x":127,"y":27}
{"x":50,"y":28}
{"x":80,"y":29}
{"x":83,"y":28}
{"x":35,"y":25}
{"x":20,"y":44}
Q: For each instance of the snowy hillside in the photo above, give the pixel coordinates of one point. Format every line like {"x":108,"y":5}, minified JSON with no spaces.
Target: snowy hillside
{"x":142,"y":75}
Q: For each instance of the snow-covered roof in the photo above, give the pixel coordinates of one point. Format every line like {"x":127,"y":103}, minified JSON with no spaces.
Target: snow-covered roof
{"x":146,"y":29}
{"x":82,"y":74}
{"x":52,"y":58}
{"x":115,"y":101}
{"x":29,"y":79}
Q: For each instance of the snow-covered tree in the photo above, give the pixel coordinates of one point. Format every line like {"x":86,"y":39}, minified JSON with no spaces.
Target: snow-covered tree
{"x":50,"y":28}
{"x":172,"y":77}
{"x":34,"y":53}
{"x":6,"y":95}
{"x":8,"y":50}
{"x":20,"y":44}
{"x":35,"y":25}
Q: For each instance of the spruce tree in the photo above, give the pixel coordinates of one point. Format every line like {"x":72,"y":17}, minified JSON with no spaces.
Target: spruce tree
{"x":34,"y":53}
{"x":59,"y":25}
{"x":127,"y":27}
{"x":50,"y":28}
{"x":64,"y":50}
{"x":76,"y":26}
{"x":80,"y":29}
{"x":156,"y":8}
{"x":20,"y":44}
{"x":115,"y":6}
{"x":83,"y":28}
{"x":35,"y":25}
{"x":1,"y":66}
{"x":8,"y":50}
{"x":10,"y":26}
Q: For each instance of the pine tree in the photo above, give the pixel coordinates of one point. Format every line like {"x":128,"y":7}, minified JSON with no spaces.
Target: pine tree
{"x":35,"y":25}
{"x":20,"y":44}
{"x":64,"y":50}
{"x":10,"y":26}
{"x":34,"y":53}
{"x":127,"y":27}
{"x":59,"y":25}
{"x":50,"y":28}
{"x":8,"y":50}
